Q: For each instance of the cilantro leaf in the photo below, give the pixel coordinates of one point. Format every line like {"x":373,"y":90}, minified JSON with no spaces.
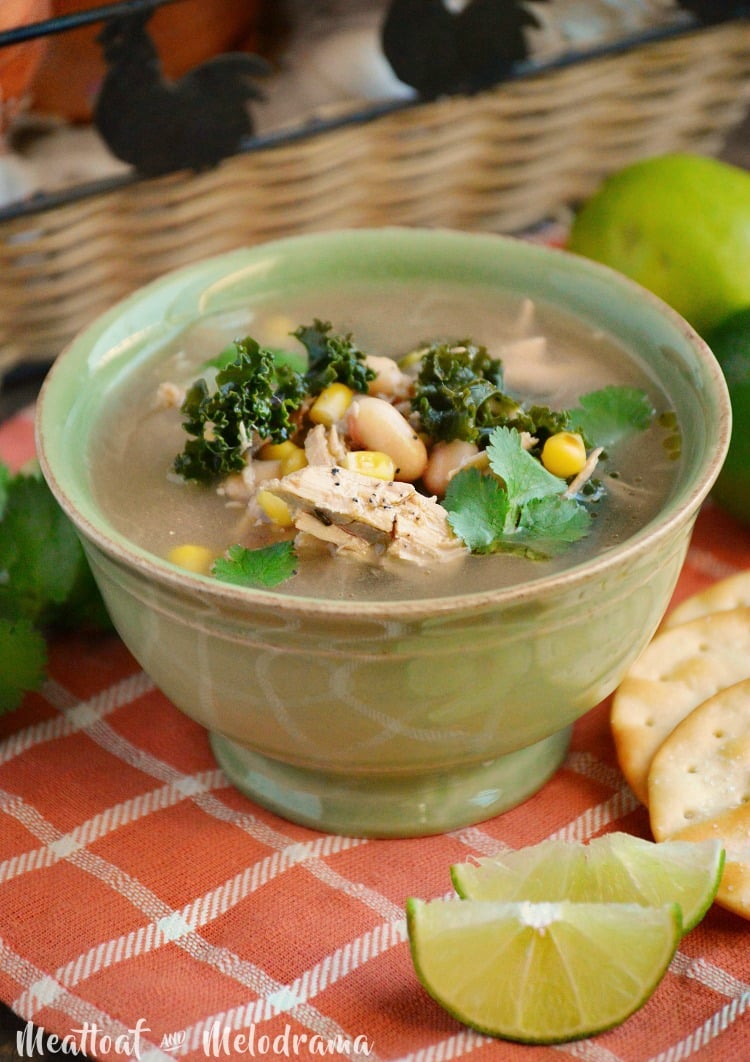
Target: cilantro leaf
{"x":5,"y":479}
{"x":522,"y":509}
{"x":45,"y":580}
{"x":253,"y":394}
{"x":606,"y":416}
{"x":477,"y":509}
{"x":23,"y":652}
{"x":524,"y":476}
{"x":42,"y":564}
{"x":264,"y":567}
{"x":332,"y":358}
{"x":547,"y":526}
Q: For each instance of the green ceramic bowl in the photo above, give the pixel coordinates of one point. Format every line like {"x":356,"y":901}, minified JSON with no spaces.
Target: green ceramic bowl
{"x":399,"y":718}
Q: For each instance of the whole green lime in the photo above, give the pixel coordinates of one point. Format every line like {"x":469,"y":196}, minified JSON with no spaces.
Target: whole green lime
{"x":678,"y":224}
{"x":730,"y":342}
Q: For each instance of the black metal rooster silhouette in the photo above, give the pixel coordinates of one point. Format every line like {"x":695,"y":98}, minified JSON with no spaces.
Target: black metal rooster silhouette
{"x":159,"y":126}
{"x":441,"y":52}
{"x":709,"y":11}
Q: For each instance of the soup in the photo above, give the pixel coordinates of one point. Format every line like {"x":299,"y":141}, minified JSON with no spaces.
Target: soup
{"x":549,"y":358}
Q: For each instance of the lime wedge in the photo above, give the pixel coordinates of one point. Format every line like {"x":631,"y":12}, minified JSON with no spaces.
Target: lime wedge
{"x":541,"y":972}
{"x":613,"y":868}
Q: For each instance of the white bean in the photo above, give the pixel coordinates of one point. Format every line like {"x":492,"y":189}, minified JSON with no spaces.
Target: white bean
{"x":375,"y":424}
{"x":445,"y":460}
{"x":390,"y":381}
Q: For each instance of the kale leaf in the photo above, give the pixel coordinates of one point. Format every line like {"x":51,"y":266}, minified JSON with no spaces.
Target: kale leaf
{"x":295,"y":359}
{"x":541,"y":422}
{"x":459,"y":392}
{"x":459,"y":395}
{"x":258,"y":393}
{"x":332,"y":358}
{"x":253,"y":394}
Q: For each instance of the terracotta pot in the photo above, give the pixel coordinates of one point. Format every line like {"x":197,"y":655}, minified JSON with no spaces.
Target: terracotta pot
{"x":185,"y":34}
{"x":19,"y":62}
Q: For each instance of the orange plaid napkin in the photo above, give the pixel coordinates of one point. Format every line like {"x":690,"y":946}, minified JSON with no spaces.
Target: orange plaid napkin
{"x":148,"y":910}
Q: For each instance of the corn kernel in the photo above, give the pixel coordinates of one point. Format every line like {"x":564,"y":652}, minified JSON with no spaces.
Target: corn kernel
{"x":564,"y":454}
{"x":193,"y":558}
{"x":293,"y":462}
{"x":331,"y":404}
{"x":276,"y":509}
{"x":277,"y":451}
{"x":370,"y":463}
{"x":290,"y":457}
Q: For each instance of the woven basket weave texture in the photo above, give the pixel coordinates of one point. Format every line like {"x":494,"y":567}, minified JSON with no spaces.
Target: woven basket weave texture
{"x":500,"y":161}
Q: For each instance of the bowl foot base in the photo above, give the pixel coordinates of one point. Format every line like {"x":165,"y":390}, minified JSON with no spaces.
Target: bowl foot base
{"x":391,"y":805}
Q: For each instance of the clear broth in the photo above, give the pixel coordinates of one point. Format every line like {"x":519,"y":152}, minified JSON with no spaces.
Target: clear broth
{"x":136,"y":443}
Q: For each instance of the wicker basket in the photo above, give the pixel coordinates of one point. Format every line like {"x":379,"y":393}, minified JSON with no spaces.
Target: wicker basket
{"x":499,"y":161}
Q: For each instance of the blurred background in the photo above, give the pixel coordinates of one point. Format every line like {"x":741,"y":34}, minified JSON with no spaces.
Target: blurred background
{"x":138,"y":137}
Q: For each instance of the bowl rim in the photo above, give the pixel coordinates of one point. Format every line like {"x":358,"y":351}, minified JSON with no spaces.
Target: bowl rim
{"x":95,"y":528}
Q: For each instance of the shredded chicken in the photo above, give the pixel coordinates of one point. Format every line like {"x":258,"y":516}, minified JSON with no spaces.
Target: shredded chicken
{"x":531,"y":348}
{"x":585,"y":474}
{"x":310,"y":526}
{"x":336,"y":444}
{"x":318,"y":450}
{"x":480,"y":461}
{"x":525,"y":319}
{"x":528,"y":441}
{"x":393,"y":517}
